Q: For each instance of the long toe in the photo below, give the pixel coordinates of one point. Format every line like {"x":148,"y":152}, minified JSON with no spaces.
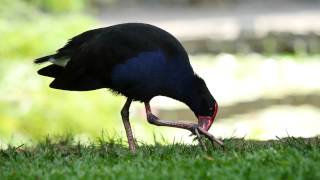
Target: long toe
{"x":210,"y":136}
{"x":200,"y":140}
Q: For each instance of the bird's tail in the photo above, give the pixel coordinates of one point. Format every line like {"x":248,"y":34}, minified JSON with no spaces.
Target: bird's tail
{"x":43,"y":59}
{"x":52,"y":70}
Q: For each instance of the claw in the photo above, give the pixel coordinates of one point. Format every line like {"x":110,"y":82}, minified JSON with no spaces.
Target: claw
{"x":194,"y":139}
{"x":200,"y":140}
{"x":211,"y":137}
{"x":198,"y":131}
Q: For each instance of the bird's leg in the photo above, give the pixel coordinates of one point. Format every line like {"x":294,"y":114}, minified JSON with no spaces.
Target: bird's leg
{"x":127,"y":126}
{"x":194,"y":128}
{"x":156,"y":121}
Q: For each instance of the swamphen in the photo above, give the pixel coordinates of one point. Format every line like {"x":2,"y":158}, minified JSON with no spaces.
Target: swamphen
{"x":139,"y":61}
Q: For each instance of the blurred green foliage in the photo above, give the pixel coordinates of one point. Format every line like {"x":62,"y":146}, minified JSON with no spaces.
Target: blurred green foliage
{"x":28,"y":107}
{"x":27,"y":31}
{"x":36,"y":38}
{"x":49,"y":6}
{"x":59,"y":6}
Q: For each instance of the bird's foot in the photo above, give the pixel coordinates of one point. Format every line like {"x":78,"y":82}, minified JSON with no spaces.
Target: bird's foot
{"x":198,"y":132}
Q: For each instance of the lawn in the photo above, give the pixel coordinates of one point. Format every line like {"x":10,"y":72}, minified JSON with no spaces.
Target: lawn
{"x":289,"y":158}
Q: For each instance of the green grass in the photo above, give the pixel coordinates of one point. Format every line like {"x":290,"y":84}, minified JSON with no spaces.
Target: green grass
{"x":289,"y":158}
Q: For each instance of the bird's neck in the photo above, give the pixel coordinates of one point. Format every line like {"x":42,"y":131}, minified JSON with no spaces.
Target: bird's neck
{"x":194,"y":93}
{"x":184,"y":90}
{"x":191,"y":97}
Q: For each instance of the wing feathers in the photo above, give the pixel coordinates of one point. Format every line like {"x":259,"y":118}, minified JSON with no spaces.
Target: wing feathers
{"x":63,"y":61}
{"x":43,"y":59}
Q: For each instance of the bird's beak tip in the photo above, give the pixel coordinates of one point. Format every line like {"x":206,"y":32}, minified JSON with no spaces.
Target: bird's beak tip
{"x":205,"y":122}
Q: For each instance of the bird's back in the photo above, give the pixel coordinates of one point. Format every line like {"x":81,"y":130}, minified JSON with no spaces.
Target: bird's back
{"x":116,"y":57}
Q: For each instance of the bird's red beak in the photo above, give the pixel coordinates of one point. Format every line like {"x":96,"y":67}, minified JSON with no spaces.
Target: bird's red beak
{"x":205,"y":122}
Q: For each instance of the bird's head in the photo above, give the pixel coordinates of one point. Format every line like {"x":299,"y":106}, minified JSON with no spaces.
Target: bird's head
{"x":202,"y":103}
{"x":206,"y":118}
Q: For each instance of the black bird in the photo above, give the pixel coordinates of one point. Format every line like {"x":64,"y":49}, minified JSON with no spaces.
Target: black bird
{"x":139,"y":61}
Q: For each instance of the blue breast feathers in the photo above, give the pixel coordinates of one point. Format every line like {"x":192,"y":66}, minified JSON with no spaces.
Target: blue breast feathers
{"x":149,"y":73}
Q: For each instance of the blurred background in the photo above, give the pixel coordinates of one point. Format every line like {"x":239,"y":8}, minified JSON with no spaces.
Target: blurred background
{"x":260,"y":59}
